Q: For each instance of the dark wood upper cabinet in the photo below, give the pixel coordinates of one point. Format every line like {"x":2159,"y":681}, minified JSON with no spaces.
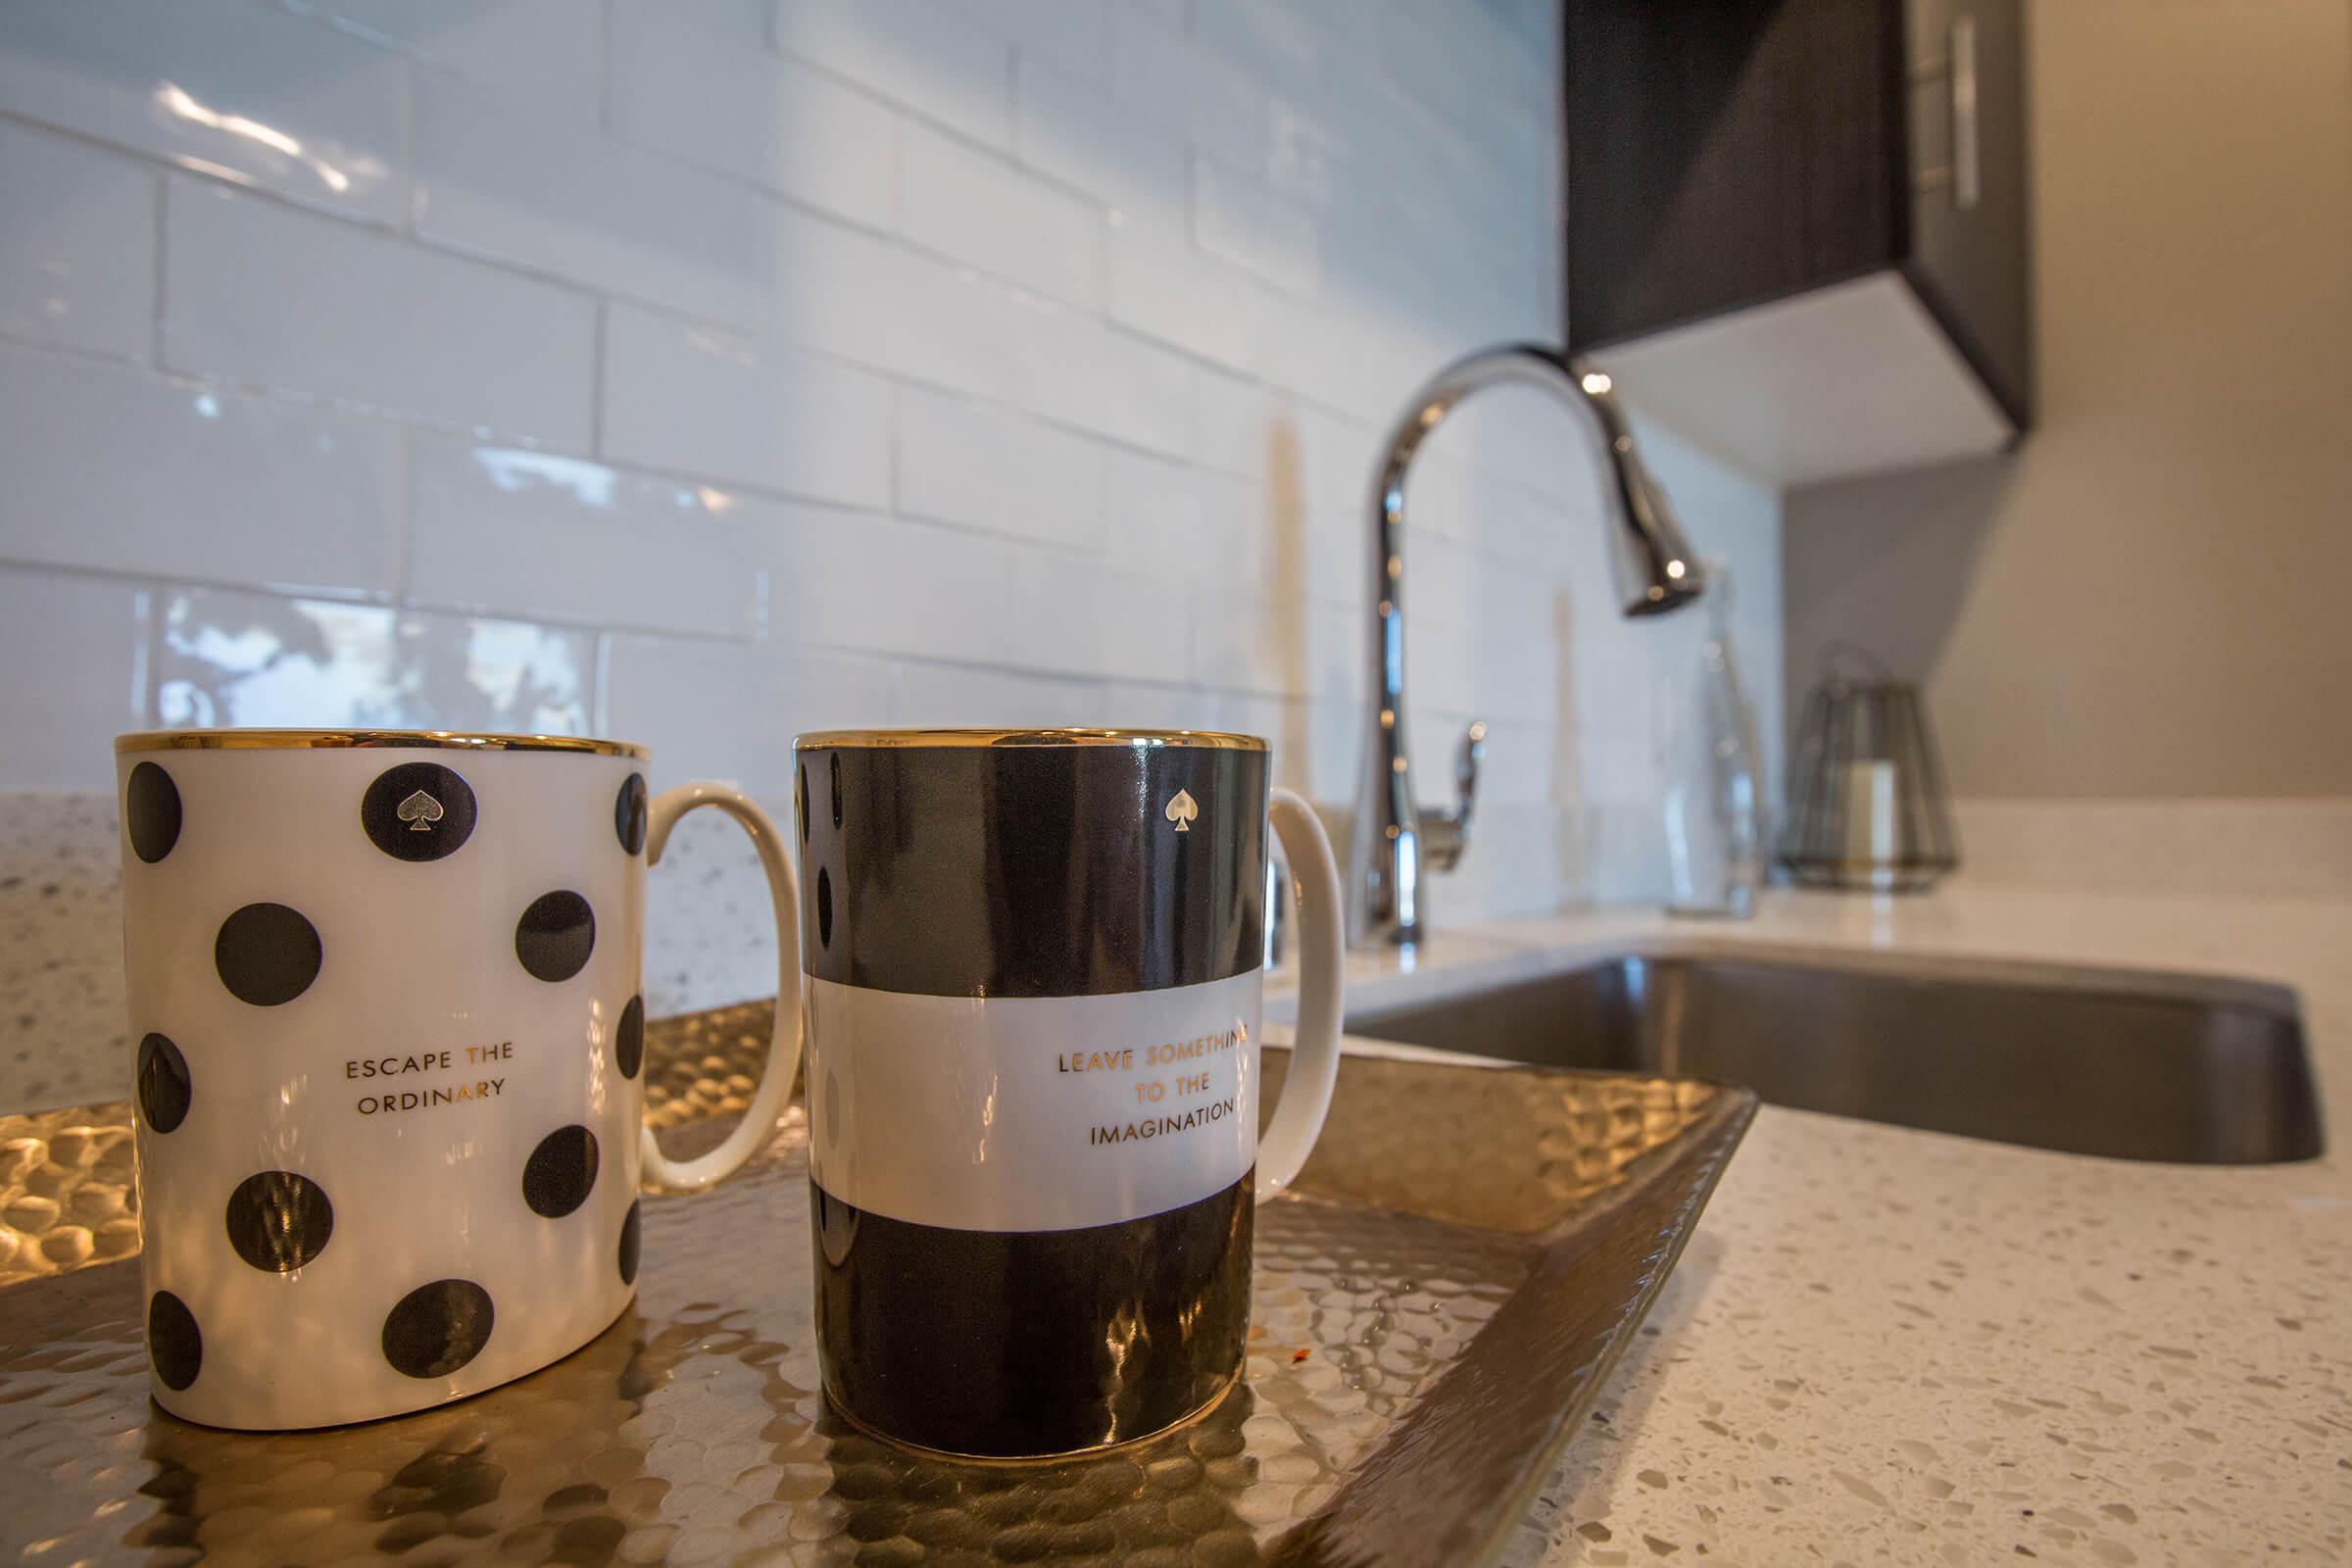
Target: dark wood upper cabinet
{"x":1799,"y":227}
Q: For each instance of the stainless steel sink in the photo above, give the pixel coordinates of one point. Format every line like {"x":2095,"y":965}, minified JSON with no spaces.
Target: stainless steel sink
{"x":2129,"y":1065}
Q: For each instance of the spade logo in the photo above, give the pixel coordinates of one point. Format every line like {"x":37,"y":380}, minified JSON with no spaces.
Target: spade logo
{"x":1181,"y":812}
{"x":420,"y":811}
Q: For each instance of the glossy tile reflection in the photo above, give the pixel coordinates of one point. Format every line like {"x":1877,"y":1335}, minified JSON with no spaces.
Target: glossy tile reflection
{"x":261,"y":97}
{"x":236,"y":658}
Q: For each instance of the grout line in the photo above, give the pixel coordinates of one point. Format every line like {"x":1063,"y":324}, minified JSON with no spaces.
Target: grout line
{"x":600,"y":331}
{"x":143,"y":652}
{"x":605,"y":33}
{"x":894,"y":437}
{"x":600,"y":701}
{"x":404,"y":508}
{"x":412,"y":110}
{"x":158,"y":322}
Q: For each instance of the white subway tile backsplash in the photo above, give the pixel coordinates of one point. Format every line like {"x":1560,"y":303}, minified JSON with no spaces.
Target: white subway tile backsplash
{"x":225,"y":657}
{"x":1305,"y":159}
{"x":1154,"y":705}
{"x":89,"y":636}
{"x":973,"y":463}
{"x":706,"y":371}
{"x":1333,"y":357}
{"x":929,"y":322}
{"x":1274,"y":43}
{"x":260,"y":295}
{"x":1080,"y":371}
{"x":117,"y":471}
{"x":962,"y":202}
{"x":76,"y":245}
{"x":845,"y":291}
{"x":584,"y":208}
{"x":510,"y":530}
{"x":1072,"y":128}
{"x":1231,"y":426}
{"x":1077,"y":614}
{"x":1441,"y":674}
{"x":1157,"y":72}
{"x":1074,"y":37}
{"x":924,"y":55}
{"x":253,"y":94}
{"x":696,"y":401}
{"x":729,"y":711}
{"x":1162,"y":286}
{"x":1173,"y":519}
{"x":1461,"y":63}
{"x":1264,"y":645}
{"x":1328,"y":746}
{"x":874,"y":585}
{"x":699,"y":82}
{"x":1248,"y":224}
{"x":1442,"y":581}
{"x":1335,"y":455}
{"x":959,"y":695}
{"x":543,"y":57}
{"x":879,"y":303}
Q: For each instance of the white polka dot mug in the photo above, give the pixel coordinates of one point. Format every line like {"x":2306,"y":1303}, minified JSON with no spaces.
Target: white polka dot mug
{"x":385,"y":989}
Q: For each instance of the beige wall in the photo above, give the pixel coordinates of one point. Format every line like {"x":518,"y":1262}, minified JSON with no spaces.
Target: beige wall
{"x":2154,"y":596}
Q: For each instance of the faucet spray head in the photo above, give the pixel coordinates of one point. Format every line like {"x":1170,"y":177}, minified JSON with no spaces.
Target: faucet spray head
{"x":1650,"y":560}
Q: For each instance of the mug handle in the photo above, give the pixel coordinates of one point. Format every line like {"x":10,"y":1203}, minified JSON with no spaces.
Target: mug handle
{"x":1322,"y":979}
{"x":784,"y":1042}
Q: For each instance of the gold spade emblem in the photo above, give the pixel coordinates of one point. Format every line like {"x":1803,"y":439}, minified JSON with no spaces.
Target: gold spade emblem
{"x":420,"y":811}
{"x":1181,"y":812}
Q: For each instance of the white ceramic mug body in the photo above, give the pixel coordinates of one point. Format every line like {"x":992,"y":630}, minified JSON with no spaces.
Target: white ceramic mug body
{"x":388,"y":1097}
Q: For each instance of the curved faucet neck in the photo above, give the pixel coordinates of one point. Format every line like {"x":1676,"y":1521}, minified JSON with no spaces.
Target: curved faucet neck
{"x":1392,"y":844}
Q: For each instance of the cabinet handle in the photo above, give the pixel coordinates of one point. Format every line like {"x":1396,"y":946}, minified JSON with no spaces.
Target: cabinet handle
{"x":1965,"y":165}
{"x":1957,"y":66}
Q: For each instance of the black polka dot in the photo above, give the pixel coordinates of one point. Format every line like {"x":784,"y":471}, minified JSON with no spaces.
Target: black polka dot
{"x":164,"y":1087}
{"x":824,"y":907}
{"x":628,"y":813}
{"x":280,"y":1221}
{"x":417,"y":811}
{"x":151,"y":811}
{"x":628,"y":1041}
{"x":438,"y":1327}
{"x":628,"y":1244}
{"x":173,"y":1340}
{"x":800,"y":801}
{"x":556,"y":935}
{"x":268,"y":954}
{"x":561,"y":1172}
{"x":835,"y":791}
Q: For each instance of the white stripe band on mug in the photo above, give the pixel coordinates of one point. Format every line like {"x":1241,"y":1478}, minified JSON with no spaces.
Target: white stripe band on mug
{"x":1032,"y":1114}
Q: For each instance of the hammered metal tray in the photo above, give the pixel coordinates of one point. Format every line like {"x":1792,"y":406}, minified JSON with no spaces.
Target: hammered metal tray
{"x":1435,"y":1311}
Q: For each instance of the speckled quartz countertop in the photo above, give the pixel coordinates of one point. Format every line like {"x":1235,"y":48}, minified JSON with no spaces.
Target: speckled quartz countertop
{"x":1893,"y":1346}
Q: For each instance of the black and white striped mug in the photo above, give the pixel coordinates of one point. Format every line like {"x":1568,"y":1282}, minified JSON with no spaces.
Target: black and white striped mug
{"x":1033,"y":964}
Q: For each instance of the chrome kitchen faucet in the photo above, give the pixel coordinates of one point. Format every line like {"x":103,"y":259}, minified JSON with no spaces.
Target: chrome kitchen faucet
{"x":1652,"y":564}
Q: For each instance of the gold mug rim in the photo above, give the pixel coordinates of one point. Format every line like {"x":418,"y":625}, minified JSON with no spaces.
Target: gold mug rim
{"x":277,"y":740}
{"x":923,"y":738}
